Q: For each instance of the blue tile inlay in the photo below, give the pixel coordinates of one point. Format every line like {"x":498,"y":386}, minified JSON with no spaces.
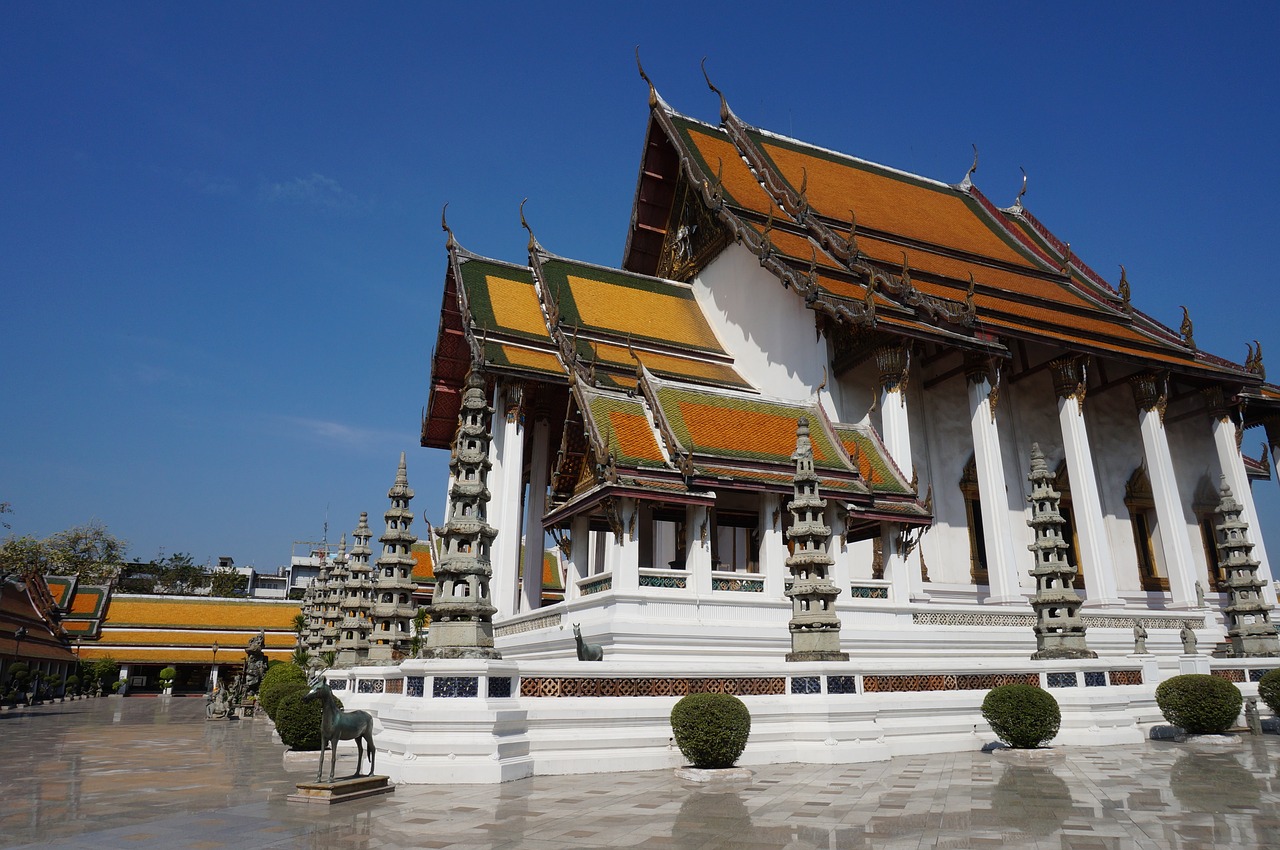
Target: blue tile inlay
{"x":455,"y":686}
{"x":806,"y":685}
{"x":842,"y":684}
{"x":1063,"y":680}
{"x":1095,"y":679}
{"x":414,"y":685}
{"x":499,"y":687}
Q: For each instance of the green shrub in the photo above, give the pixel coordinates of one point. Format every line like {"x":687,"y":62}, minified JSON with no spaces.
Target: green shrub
{"x":711,"y":730}
{"x":19,"y":673}
{"x":1269,"y":690}
{"x":73,"y":684}
{"x":1023,"y":716}
{"x":298,"y":722}
{"x":167,"y":675}
{"x":274,"y":683}
{"x":1199,"y":704}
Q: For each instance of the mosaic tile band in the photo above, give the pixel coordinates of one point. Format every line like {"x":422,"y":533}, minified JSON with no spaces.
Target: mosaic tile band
{"x":743,"y":585}
{"x":550,"y":621}
{"x":597,"y":585}
{"x":563,"y":686}
{"x":945,"y":618}
{"x":945,"y":682}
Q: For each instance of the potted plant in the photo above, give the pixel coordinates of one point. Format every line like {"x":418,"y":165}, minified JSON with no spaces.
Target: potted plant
{"x":167,"y":675}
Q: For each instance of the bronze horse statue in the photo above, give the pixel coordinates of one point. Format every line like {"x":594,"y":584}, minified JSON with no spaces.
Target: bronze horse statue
{"x":338,"y":725}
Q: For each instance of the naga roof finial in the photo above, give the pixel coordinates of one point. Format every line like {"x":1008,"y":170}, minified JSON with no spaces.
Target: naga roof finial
{"x":1017,"y":202}
{"x":724,"y":105}
{"x":450,"y":243}
{"x":1124,"y":289}
{"x":1187,"y":329}
{"x":973,"y":169}
{"x":968,"y":296}
{"x":653,"y":92}
{"x":533,"y":241}
{"x":851,"y":241}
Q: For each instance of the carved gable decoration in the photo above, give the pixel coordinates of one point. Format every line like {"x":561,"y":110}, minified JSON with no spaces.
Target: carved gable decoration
{"x":694,"y":236}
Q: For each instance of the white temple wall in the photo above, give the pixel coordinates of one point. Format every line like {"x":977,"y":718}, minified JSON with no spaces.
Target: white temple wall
{"x":1196,"y":466}
{"x":770,"y":333}
{"x":947,"y":446}
{"x":1116,"y":441}
{"x":857,"y":390}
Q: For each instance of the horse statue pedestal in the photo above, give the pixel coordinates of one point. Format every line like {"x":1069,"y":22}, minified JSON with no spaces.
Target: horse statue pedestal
{"x":342,"y":790}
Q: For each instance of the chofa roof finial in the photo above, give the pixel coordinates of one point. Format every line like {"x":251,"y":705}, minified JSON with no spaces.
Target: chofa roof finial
{"x":724,"y":105}
{"x":653,"y":92}
{"x":1017,"y":202}
{"x":1124,"y":289}
{"x":450,"y":243}
{"x":1187,"y":329}
{"x":533,"y":240}
{"x":973,"y":169}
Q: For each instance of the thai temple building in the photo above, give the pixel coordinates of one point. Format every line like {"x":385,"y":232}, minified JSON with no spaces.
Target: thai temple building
{"x":830,"y":435}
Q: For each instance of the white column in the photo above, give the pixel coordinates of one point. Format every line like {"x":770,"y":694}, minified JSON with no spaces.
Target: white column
{"x":773,"y":546}
{"x":841,"y":572}
{"x":534,"y":534}
{"x":894,"y":362}
{"x":1225,"y":440}
{"x":626,"y":564}
{"x":1094,"y":557}
{"x":1002,"y":562}
{"x":505,"y":515}
{"x":579,"y":554}
{"x":697,"y":547}
{"x":1175,"y":545}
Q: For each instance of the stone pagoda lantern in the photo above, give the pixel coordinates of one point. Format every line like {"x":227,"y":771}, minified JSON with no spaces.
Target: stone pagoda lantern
{"x":461,"y":607}
{"x":814,"y":626}
{"x":1059,"y":629}
{"x":1249,"y":626}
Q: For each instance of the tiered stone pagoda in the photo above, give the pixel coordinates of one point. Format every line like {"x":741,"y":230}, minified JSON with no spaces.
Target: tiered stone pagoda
{"x":461,"y":610}
{"x":393,"y":586}
{"x":1249,"y":627}
{"x":335,"y":588}
{"x":355,"y":588}
{"x":815,"y":628}
{"x":1059,"y":629}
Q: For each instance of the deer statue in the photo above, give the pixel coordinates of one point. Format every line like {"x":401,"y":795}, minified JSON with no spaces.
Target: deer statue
{"x":587,"y":651}
{"x":338,"y":725}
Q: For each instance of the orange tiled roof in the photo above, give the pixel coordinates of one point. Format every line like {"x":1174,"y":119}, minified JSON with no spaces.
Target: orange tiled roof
{"x":194,"y":612}
{"x":424,"y":567}
{"x":624,"y":428}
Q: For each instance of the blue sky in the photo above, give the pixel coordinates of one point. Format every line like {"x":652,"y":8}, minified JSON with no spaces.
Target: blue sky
{"x":220,"y":255}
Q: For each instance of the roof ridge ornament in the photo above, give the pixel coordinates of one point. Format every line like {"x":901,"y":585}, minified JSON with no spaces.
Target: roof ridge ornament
{"x":653,"y":92}
{"x":1187,"y":329}
{"x":1017,"y":202}
{"x":851,"y":241}
{"x":450,"y":243}
{"x":1124,"y":291}
{"x":533,"y":240}
{"x":1066,"y":260}
{"x":973,"y":169}
{"x":725,"y":112}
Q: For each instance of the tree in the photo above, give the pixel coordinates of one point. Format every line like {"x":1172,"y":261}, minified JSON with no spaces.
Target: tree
{"x":178,"y":574}
{"x":88,"y":551}
{"x":22,"y":557}
{"x":227,"y":582}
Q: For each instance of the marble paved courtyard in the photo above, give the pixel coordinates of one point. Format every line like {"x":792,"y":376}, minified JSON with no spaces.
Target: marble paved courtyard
{"x":151,"y":773}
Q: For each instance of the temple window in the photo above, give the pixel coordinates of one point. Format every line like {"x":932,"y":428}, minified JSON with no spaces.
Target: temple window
{"x":664,"y":547}
{"x":973,"y":518}
{"x":735,"y":545}
{"x":1141,"y":503}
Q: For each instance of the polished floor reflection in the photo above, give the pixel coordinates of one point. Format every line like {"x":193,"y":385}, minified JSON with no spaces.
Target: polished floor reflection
{"x":151,"y":773}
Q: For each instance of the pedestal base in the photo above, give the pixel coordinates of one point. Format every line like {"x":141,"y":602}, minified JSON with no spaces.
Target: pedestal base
{"x":342,"y":790}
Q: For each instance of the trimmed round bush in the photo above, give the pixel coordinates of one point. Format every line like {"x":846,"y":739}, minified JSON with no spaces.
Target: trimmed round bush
{"x":274,"y":683}
{"x":1199,"y":704}
{"x":298,"y":722}
{"x":1022,"y":716}
{"x":1269,"y":690}
{"x":167,"y":675}
{"x":711,"y":730}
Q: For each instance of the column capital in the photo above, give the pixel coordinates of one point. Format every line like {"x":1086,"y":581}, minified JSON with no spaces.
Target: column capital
{"x":894,"y":362}
{"x":1070,"y":378}
{"x":977,"y":368}
{"x":513,"y":401}
{"x":1150,"y":392}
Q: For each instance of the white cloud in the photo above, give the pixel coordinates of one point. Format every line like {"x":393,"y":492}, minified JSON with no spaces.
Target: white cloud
{"x":317,"y":191}
{"x":342,"y":434}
